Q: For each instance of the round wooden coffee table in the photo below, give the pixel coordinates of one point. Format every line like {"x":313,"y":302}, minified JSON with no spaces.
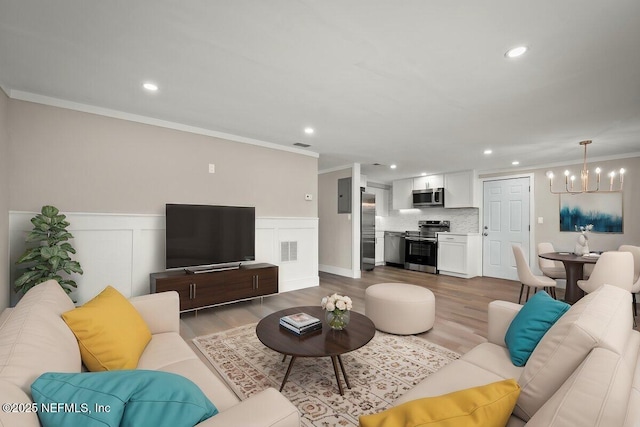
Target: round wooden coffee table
{"x":325,"y":342}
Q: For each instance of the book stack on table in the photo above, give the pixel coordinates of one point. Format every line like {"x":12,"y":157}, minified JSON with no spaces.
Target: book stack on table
{"x":300,"y":323}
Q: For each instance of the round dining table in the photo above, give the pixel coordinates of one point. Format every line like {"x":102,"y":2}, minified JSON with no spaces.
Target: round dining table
{"x":574,"y":267}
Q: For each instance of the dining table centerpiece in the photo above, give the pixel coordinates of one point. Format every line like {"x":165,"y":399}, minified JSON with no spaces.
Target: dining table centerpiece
{"x":582,"y":245}
{"x":338,"y":310}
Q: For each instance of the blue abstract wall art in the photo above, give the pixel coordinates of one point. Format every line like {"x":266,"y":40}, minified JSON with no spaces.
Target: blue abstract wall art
{"x":603,"y":210}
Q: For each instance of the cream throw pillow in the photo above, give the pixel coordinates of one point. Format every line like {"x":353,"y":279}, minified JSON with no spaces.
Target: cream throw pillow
{"x":111,"y":333}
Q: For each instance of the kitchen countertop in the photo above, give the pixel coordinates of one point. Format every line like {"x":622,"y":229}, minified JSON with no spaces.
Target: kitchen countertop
{"x":439,"y":232}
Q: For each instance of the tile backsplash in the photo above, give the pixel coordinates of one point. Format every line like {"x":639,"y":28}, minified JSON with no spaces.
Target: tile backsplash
{"x":464,"y":220}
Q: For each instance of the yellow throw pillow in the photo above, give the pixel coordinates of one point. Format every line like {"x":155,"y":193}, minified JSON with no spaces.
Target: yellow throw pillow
{"x":487,"y":406}
{"x":111,"y":333}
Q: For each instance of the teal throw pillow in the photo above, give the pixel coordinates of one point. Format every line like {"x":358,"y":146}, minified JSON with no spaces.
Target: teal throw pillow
{"x":530,"y":324}
{"x":119,"y":398}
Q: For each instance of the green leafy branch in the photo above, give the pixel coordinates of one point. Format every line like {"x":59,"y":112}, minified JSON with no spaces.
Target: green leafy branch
{"x":49,"y":254}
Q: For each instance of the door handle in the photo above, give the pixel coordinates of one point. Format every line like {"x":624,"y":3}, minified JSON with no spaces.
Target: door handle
{"x":485,"y":234}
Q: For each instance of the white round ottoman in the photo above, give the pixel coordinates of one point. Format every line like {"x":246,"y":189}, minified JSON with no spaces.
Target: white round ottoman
{"x":400,"y":308}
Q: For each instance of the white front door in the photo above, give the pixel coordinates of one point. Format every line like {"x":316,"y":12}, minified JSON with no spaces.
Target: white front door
{"x":505,"y":222}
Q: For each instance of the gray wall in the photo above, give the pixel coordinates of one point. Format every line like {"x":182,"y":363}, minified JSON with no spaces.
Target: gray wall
{"x":334,"y":229}
{"x":4,"y":202}
{"x":547,"y":205}
{"x":82,"y":162}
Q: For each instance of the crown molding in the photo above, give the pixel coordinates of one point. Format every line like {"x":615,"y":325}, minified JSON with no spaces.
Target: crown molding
{"x":336,"y":168}
{"x":92,"y":109}
{"x":558,"y":164}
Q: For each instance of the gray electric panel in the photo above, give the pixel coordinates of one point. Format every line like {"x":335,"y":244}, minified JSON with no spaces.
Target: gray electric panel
{"x":344,"y":195}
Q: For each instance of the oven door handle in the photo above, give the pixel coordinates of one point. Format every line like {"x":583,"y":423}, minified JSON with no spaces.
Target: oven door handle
{"x":420,"y":239}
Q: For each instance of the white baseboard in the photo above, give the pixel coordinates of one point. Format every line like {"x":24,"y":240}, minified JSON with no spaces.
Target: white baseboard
{"x":346,"y":272}
{"x":302,"y":283}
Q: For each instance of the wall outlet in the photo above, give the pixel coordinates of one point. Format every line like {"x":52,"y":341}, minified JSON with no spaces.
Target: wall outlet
{"x":212,"y":168}
{"x":308,"y":197}
{"x":540,"y":220}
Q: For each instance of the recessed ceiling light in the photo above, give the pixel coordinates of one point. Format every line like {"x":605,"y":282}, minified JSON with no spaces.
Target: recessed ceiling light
{"x":488,"y":151}
{"x":393,"y":166}
{"x":515,"y":163}
{"x":516,"y":52}
{"x":308,"y":130}
{"x":150,"y":86}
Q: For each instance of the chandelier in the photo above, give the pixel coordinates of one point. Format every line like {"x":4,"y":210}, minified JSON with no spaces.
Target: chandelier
{"x":569,"y":179}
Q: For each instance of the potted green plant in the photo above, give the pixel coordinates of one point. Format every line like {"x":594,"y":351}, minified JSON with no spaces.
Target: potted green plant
{"x":50,"y":254}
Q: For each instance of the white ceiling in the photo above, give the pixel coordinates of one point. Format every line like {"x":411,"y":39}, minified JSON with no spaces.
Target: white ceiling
{"x":420,"y":83}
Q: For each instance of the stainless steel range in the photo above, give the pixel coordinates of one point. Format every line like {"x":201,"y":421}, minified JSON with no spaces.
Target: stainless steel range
{"x":421,"y":247}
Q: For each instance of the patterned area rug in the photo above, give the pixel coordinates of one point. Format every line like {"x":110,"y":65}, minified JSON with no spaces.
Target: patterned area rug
{"x":379,"y":373}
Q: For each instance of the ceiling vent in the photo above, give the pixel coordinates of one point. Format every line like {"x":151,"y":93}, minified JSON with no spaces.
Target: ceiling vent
{"x":300,"y":144}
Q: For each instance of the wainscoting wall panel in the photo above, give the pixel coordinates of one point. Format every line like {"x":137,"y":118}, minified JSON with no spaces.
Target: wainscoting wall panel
{"x":121,"y":250}
{"x":293,"y":275}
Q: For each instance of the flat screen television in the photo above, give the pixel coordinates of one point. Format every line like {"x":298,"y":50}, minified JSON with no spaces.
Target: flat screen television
{"x":204,"y":235}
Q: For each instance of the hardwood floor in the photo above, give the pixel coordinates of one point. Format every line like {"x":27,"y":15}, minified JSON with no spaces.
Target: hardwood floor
{"x":461,"y":304}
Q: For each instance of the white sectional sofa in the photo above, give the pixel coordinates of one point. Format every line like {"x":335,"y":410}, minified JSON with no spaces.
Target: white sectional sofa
{"x":34,"y":339}
{"x":584,"y":372}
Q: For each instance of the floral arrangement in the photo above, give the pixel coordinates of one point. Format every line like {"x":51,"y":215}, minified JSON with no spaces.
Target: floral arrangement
{"x":335,"y":301}
{"x":337,"y":307}
{"x":582,"y":246}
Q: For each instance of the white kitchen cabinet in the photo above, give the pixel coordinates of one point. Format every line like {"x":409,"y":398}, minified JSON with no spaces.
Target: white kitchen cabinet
{"x":382,"y":200}
{"x":429,"y":181}
{"x":459,"y":190}
{"x":402,"y":197}
{"x":459,"y":254}
{"x":379,"y":257}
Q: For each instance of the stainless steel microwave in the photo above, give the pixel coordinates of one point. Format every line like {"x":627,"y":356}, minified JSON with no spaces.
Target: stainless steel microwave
{"x":428,"y":198}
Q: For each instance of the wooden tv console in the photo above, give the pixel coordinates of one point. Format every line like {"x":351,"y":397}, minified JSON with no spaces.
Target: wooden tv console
{"x":208,"y":289}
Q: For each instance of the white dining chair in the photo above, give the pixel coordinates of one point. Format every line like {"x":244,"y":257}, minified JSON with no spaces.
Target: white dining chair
{"x":613,"y":268}
{"x":587,"y":270}
{"x":550,"y":268}
{"x":528,"y":279}
{"x":635,"y":287}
